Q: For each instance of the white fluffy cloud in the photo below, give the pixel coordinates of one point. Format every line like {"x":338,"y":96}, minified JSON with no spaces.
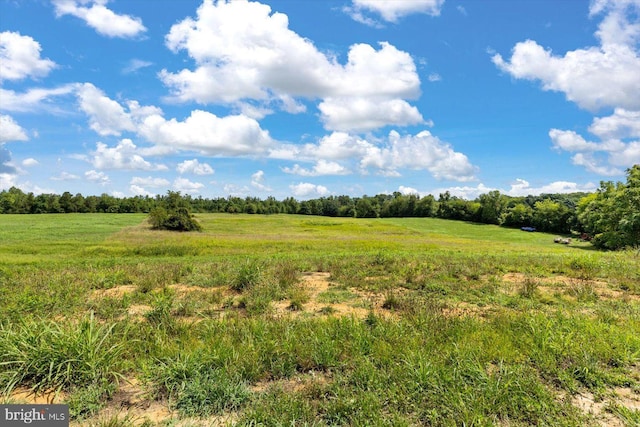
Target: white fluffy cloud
{"x":10,"y":130}
{"x":243,"y":51}
{"x":106,"y":116}
{"x":65,"y":176}
{"x":123,"y":156}
{"x":30,"y":162}
{"x":195,"y":167}
{"x":421,"y":151}
{"x":619,"y":145}
{"x":621,"y":124}
{"x":392,"y":10}
{"x":604,"y":76}
{"x":202,"y":131}
{"x":257,"y":181}
{"x":364,"y":114}
{"x":207,"y":133}
{"x":322,"y":167}
{"x":149,"y":182}
{"x":522,"y":187}
{"x":20,"y":57}
{"x":387,"y":157}
{"x":33,"y":99}
{"x":594,"y":77}
{"x":519,"y":187}
{"x":305,"y":189}
{"x":97,"y":177}
{"x":100,"y":18}
{"x":186,"y":186}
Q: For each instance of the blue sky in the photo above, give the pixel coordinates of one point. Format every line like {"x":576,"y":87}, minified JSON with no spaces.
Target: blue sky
{"x":316,"y":98}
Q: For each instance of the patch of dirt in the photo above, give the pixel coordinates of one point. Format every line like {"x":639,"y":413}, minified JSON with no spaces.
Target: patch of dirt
{"x":549,"y":284}
{"x":115,"y":292}
{"x":314,"y":284}
{"x":598,"y":408}
{"x":588,"y":404}
{"x":137,"y":311}
{"x":294,"y":385}
{"x":627,"y":397}
{"x":130,"y":402}
{"x":463,"y":309}
{"x":26,"y":396}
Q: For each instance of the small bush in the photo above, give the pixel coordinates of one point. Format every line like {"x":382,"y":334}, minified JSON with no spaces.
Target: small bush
{"x":174,"y":216}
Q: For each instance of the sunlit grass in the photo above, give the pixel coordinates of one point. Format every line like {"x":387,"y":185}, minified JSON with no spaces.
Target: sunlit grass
{"x":463,"y":324}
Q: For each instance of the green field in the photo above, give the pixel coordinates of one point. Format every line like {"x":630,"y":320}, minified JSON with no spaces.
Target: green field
{"x":302,"y":320}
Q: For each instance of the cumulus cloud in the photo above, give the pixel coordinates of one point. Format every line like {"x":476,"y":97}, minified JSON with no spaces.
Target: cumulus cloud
{"x":322,"y":167}
{"x":593,"y":77}
{"x":519,"y":188}
{"x":7,"y":179}
{"x":106,"y":116}
{"x":30,"y":162}
{"x":621,"y":124}
{"x":522,"y":187}
{"x":33,"y":99}
{"x":202,"y":131}
{"x":10,"y":130}
{"x":257,"y":181}
{"x":243,"y":51}
{"x":365,"y":114}
{"x":421,"y":151}
{"x":102,"y":19}
{"x":20,"y":57}
{"x":207,"y":133}
{"x":123,"y":156}
{"x":97,"y":177}
{"x":65,"y":176}
{"x":305,"y":189}
{"x":392,"y":10}
{"x":407,"y":190}
{"x":186,"y":186}
{"x":195,"y":167}
{"x":387,"y":157}
{"x":149,"y":182}
{"x":618,"y":148}
{"x":139,"y":191}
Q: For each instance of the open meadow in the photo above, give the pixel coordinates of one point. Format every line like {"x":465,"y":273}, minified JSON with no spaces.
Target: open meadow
{"x":302,"y":320}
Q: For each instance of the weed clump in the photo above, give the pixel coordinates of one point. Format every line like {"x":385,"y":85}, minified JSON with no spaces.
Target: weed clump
{"x":249,"y":275}
{"x":46,"y":356}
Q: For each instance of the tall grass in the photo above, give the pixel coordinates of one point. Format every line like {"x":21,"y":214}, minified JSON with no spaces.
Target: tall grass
{"x":44,"y":355}
{"x":447,"y":338}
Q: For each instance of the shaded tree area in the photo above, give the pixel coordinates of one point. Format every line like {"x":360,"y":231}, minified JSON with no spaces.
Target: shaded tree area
{"x":547,"y":212}
{"x":173,"y":213}
{"x":612,"y":214}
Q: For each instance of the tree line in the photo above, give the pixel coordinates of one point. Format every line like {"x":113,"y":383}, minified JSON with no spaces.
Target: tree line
{"x":611,"y":214}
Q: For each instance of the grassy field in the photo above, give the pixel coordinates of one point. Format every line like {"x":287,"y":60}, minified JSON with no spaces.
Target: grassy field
{"x":298,"y":320}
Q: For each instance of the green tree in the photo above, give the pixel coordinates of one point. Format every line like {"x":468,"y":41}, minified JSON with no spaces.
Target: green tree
{"x":612,"y":214}
{"x":492,"y":204}
{"x":519,"y":215}
{"x":173,"y":214}
{"x":551,"y":216}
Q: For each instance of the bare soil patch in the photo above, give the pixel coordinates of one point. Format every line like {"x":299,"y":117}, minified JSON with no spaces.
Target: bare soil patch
{"x":26,"y":396}
{"x":550,"y":284}
{"x":316,"y":283}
